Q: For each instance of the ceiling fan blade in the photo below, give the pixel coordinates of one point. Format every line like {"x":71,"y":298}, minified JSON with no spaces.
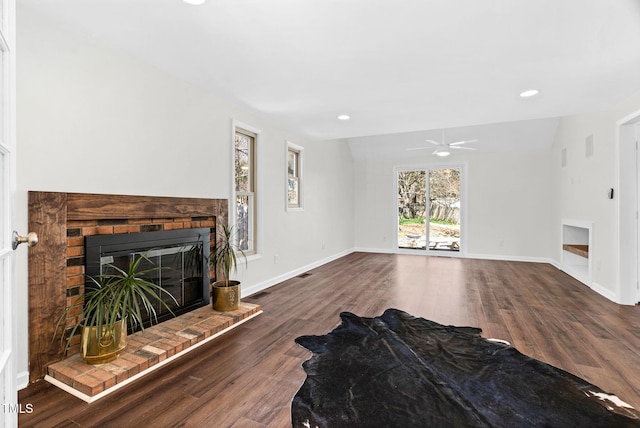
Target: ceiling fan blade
{"x":463,"y":148}
{"x":435,"y":143}
{"x":463,"y":142}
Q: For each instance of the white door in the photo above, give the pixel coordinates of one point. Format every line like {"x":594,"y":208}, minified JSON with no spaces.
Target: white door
{"x":8,"y":393}
{"x":628,"y":202}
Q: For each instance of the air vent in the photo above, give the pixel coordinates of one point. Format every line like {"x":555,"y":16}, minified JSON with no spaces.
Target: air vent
{"x":588,"y":146}
{"x":304,"y":275}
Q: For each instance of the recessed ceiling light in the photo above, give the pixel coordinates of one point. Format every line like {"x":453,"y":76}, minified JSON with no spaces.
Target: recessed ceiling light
{"x":344,"y":117}
{"x":195,"y":2}
{"x":529,"y":93}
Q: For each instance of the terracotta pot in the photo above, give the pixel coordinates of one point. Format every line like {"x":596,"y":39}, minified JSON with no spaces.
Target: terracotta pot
{"x":223,"y":298}
{"x":113,"y":342}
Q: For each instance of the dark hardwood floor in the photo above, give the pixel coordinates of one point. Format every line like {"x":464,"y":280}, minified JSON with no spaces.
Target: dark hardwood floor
{"x":248,"y":377}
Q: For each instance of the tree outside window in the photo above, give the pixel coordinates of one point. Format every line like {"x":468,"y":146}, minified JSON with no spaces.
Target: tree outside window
{"x":294,"y":177}
{"x":245,"y":184}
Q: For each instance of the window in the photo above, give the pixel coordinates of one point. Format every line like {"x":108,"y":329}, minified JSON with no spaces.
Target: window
{"x":245,"y":189}
{"x":294,"y":177}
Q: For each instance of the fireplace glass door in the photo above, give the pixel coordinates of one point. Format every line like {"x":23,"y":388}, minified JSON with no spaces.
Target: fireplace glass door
{"x":176,"y":260}
{"x":178,"y":270}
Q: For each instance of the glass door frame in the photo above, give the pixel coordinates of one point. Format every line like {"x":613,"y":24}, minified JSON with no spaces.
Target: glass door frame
{"x":462,"y":166}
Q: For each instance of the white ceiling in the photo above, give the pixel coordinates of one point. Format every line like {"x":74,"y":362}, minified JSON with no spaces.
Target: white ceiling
{"x":495,"y":137}
{"x":394,"y":66}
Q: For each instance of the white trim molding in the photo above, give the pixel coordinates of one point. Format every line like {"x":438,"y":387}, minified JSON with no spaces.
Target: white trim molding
{"x":627,"y":210}
{"x":23,"y":380}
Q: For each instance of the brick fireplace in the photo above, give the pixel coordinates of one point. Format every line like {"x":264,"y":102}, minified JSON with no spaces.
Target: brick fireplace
{"x":57,"y":263}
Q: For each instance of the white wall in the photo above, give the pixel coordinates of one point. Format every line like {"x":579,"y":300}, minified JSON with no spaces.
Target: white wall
{"x":508,"y":213}
{"x":90,"y":119}
{"x":582,"y":186}
{"x":508,"y":195}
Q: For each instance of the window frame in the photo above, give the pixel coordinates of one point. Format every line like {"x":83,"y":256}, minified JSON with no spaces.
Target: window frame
{"x":255,"y":223}
{"x":298,"y":177}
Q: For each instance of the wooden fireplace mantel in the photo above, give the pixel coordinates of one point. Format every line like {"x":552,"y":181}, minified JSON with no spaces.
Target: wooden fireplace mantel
{"x":56,"y":264}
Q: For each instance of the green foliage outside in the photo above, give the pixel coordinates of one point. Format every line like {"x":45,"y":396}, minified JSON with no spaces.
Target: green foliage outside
{"x":436,"y":221}
{"x":420,"y":220}
{"x":412,"y":220}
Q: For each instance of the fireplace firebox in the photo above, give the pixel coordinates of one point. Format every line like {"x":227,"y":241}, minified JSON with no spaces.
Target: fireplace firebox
{"x":180,"y":256}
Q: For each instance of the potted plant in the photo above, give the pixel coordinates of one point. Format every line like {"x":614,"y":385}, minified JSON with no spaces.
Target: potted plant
{"x":225,"y":293}
{"x":112,"y":300}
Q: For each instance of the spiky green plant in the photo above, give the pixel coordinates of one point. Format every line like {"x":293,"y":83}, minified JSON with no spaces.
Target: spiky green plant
{"x":117,"y":295}
{"x":225,"y":256}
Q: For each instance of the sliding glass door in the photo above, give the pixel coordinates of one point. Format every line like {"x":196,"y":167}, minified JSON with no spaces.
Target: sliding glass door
{"x":429,"y":206}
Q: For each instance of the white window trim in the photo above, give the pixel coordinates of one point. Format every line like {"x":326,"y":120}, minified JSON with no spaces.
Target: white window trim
{"x":289,"y":145}
{"x":464,"y":167}
{"x":237,"y":125}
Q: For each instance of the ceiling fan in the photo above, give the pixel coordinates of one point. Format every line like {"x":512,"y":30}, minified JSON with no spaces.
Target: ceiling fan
{"x":442,"y":148}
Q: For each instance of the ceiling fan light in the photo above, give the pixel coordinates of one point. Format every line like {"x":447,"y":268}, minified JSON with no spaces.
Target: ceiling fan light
{"x":443,"y":153}
{"x":529,"y":93}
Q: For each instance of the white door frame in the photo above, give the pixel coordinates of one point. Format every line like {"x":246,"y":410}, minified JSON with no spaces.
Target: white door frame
{"x":628,"y":201}
{"x":462,"y":165}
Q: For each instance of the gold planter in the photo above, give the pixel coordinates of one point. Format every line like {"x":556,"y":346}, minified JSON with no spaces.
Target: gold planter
{"x":225,"y":299}
{"x":113,"y":342}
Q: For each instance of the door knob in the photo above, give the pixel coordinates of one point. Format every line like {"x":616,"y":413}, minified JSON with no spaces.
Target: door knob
{"x":31,"y":239}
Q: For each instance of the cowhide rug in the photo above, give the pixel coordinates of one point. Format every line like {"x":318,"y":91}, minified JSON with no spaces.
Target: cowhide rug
{"x":397,"y":370}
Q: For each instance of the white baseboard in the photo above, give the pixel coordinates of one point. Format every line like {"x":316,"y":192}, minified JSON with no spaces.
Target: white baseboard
{"x":255,"y":288}
{"x":373,"y":250}
{"x":467,"y":256}
{"x":508,"y":258}
{"x":605,"y":292}
{"x":501,"y":257}
{"x":556,"y":264}
{"x":23,"y":380}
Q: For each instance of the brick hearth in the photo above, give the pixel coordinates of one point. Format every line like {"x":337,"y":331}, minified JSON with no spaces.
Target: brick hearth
{"x":146,"y":351}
